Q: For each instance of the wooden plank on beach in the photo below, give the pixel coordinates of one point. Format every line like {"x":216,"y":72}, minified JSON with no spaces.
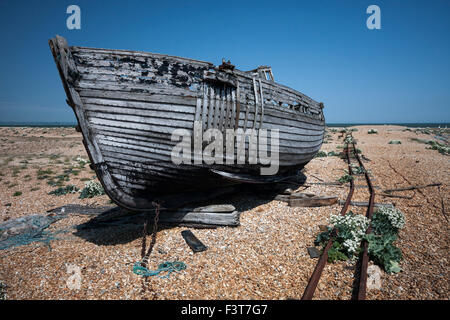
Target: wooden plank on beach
{"x":201,"y":217}
{"x":312,"y":201}
{"x":307,"y":200}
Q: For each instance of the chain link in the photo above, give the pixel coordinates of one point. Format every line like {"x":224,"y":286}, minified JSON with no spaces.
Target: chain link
{"x":153,"y":241}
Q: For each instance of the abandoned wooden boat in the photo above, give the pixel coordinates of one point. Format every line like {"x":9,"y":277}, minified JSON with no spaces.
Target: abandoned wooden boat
{"x":129,"y":103}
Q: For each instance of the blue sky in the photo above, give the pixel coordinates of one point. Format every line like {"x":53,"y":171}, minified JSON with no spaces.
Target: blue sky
{"x":400,"y":73}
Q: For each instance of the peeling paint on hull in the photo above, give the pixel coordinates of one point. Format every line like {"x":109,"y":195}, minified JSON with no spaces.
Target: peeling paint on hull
{"x":128,"y":103}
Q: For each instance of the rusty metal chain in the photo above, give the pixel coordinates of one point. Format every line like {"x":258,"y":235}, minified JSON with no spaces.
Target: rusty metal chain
{"x":145,"y":256}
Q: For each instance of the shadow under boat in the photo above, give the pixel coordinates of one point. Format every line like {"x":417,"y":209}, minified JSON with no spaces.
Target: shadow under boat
{"x":115,"y":225}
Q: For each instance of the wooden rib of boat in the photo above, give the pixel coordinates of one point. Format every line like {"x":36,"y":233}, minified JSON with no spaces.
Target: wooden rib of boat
{"x":128,"y":104}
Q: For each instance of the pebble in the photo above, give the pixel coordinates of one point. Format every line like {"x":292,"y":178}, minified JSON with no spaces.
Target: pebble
{"x":272,"y":235}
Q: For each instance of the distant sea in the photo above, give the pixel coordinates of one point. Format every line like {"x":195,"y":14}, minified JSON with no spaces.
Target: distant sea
{"x":411,"y":125}
{"x":38,"y":124}
{"x":73,"y":124}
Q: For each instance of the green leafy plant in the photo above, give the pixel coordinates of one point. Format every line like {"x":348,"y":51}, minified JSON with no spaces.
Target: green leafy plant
{"x":336,"y":253}
{"x":333,"y":154}
{"x":382,"y":251}
{"x":64,"y":190}
{"x":395,"y":142}
{"x":441,"y":148}
{"x":44,"y":174}
{"x":350,"y":230}
{"x":17,"y":193}
{"x":348,"y":139}
{"x":357,"y":170}
{"x":320,"y":154}
{"x":386,"y":223}
{"x":372,"y":131}
{"x":92,"y":189}
{"x":81,"y":162}
{"x":345,"y":178}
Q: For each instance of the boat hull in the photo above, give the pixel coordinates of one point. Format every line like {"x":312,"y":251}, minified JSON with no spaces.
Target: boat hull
{"x":128,"y":105}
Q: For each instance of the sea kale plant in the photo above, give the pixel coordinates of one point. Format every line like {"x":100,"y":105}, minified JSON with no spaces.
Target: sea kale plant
{"x":92,"y":189}
{"x":64,"y":190}
{"x":349,"y":230}
{"x":441,"y":148}
{"x":348,"y":139}
{"x":386,"y":223}
{"x":345,"y":178}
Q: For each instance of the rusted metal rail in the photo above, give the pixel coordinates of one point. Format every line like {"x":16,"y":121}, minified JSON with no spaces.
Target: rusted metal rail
{"x":365,"y":257}
{"x":317,"y":273}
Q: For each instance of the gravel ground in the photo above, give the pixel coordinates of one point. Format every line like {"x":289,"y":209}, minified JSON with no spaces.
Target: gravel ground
{"x":264,"y":258}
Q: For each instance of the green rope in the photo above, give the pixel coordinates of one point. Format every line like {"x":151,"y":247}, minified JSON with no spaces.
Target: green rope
{"x":166,"y":266}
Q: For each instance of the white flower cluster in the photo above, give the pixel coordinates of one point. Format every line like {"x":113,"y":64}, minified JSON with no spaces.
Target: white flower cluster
{"x":348,"y":139}
{"x":395,"y":216}
{"x":356,"y":226}
{"x":81,"y":161}
{"x":92,"y":189}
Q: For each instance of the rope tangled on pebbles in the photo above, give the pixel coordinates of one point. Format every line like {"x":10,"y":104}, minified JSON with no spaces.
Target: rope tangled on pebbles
{"x":168,"y":266}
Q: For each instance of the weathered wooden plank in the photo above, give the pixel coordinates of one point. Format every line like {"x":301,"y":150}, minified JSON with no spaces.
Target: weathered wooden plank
{"x":166,"y":145}
{"x":278,"y":95}
{"x":138,"y":88}
{"x":160,"y":150}
{"x":164,"y":137}
{"x":204,"y":218}
{"x":222,"y":114}
{"x":140,"y":156}
{"x":299,"y":199}
{"x":138,"y":133}
{"x":204,"y":116}
{"x":211,"y":107}
{"x":190,"y":109}
{"x":143,"y":119}
{"x":288,"y":121}
{"x":255,"y":118}
{"x":117,"y":52}
{"x":262,"y":104}
{"x":129,"y":111}
{"x":217,"y":103}
{"x":151,"y":97}
{"x":287,"y":114}
{"x":132,"y":125}
{"x":141,"y":151}
{"x":151,"y":64}
{"x":198,"y":110}
{"x":276,"y":86}
{"x":245,"y":106}
{"x":286,"y":147}
{"x":238,"y":107}
{"x":288,"y":132}
{"x":312,"y":201}
{"x":144,"y":170}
